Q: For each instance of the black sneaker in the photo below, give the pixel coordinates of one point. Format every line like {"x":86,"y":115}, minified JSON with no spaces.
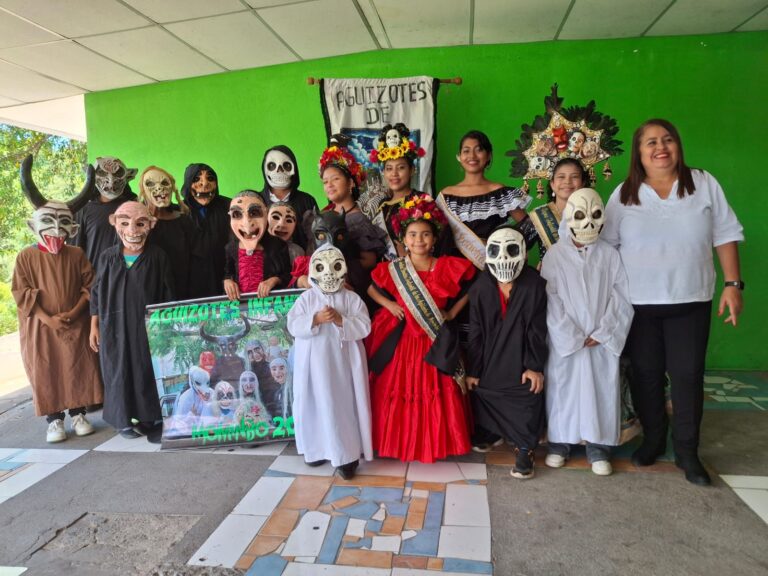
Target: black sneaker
{"x":523,"y":468}
{"x":129,"y":433}
{"x":347,"y":471}
{"x":315,"y":463}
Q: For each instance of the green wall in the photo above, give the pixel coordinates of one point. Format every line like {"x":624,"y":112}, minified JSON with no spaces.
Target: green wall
{"x":712,"y":87}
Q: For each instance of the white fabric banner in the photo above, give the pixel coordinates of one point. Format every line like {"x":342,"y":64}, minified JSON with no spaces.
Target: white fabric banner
{"x":361,"y":107}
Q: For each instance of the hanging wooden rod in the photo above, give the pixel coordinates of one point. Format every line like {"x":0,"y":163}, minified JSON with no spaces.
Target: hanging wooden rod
{"x":458,"y":81}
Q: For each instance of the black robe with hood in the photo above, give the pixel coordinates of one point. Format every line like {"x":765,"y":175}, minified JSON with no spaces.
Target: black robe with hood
{"x":212,"y":223}
{"x":301,"y":201}
{"x":118,"y":298}
{"x":96,"y":234}
{"x":500,"y":349}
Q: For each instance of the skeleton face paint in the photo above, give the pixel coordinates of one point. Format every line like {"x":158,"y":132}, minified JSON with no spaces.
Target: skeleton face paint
{"x":157,"y":187}
{"x":204,"y":187}
{"x":133,"y":223}
{"x":585,"y":214}
{"x":112,"y":176}
{"x":282,"y":221}
{"x":327,"y":269}
{"x":278,"y":169}
{"x":207,"y":361}
{"x":393,"y":138}
{"x":505,"y":254}
{"x":279,"y":370}
{"x":248,"y":219}
{"x":329,"y":227}
{"x":225,"y":395}
{"x":199,"y":381}
{"x":53,"y":224}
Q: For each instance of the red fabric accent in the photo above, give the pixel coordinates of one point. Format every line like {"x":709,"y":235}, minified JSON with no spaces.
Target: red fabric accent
{"x":251,"y":270}
{"x":418,"y":413}
{"x":503,"y":302}
{"x":300,"y":268}
{"x":43,"y":247}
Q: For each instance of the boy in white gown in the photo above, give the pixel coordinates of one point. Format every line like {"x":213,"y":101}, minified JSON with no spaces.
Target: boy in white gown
{"x":588,"y":318}
{"x":331,"y":404}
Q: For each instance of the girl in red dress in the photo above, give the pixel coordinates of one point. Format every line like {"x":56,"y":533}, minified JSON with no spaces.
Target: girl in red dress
{"x":419,"y":411}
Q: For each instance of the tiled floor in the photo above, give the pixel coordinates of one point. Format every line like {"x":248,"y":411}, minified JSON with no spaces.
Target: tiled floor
{"x":392,"y":518}
{"x":20,"y":469}
{"x":753,"y":490}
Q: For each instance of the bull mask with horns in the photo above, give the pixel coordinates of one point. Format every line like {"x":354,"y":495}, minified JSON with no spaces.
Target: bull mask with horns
{"x":52,"y":221}
{"x":227,"y":344}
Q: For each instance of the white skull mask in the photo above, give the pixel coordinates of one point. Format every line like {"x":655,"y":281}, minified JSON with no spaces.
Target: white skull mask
{"x":199,"y":381}
{"x":575,"y":142}
{"x":505,"y":254}
{"x":157,"y":188}
{"x":278,"y":169}
{"x":53,"y":223}
{"x":225,"y":395}
{"x":540,"y":163}
{"x":327,"y":269}
{"x":393,"y":138}
{"x":585,"y":215}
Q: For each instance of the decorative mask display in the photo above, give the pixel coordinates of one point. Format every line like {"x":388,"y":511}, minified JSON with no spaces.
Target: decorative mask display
{"x":578,"y":132}
{"x":200,"y":382}
{"x":327,"y":269}
{"x":133,"y":223}
{"x":52,"y":221}
{"x":505,"y":254}
{"x":157,"y":187}
{"x":585,"y":215}
{"x":225,"y":395}
{"x":278,"y":169}
{"x":282,"y":220}
{"x":393,"y":143}
{"x":112,"y":176}
{"x":330,"y":227}
{"x":204,"y":187}
{"x":248,"y":218}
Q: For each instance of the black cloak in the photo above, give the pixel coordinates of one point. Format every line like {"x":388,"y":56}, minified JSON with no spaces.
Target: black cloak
{"x":500,"y":349}
{"x":301,"y":201}
{"x":118,"y":298}
{"x":178,"y":238}
{"x":212,"y":222}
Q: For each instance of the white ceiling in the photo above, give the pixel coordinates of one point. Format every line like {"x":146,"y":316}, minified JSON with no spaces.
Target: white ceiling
{"x":52,"y":49}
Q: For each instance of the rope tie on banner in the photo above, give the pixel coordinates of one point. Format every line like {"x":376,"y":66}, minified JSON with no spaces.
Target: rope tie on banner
{"x":311,"y":80}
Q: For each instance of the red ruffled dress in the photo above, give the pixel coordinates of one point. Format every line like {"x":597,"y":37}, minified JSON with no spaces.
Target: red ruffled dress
{"x":419,"y":413}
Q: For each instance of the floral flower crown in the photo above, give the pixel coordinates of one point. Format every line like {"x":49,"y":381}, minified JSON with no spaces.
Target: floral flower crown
{"x":406,"y":149}
{"x":420,"y":207}
{"x":342,"y":158}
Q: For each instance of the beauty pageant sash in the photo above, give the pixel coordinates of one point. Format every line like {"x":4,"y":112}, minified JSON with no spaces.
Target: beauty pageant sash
{"x":546,"y":220}
{"x":470,"y":245}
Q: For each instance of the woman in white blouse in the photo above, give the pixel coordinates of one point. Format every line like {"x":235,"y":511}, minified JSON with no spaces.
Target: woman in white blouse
{"x":665,"y":218}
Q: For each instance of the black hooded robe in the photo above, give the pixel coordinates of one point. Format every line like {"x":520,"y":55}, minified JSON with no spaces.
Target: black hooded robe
{"x":500,"y":349}
{"x":118,"y":298}
{"x":96,"y":234}
{"x":213,"y":231}
{"x":301,"y":201}
{"x":178,"y":239}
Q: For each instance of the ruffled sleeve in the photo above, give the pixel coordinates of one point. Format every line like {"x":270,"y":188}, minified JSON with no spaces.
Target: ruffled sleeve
{"x":300,"y":268}
{"x":382,"y":278}
{"x":514,"y":199}
{"x":455,"y":275}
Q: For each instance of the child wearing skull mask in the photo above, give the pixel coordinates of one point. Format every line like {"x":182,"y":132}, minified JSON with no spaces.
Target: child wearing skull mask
{"x":331,"y":406}
{"x":50,"y":286}
{"x":255,"y":261}
{"x":588,"y":316}
{"x":507,"y":349}
{"x":130,"y":276}
{"x":419,"y":412}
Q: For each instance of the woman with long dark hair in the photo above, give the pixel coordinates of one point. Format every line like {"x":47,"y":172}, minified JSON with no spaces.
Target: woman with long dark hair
{"x":665,"y":219}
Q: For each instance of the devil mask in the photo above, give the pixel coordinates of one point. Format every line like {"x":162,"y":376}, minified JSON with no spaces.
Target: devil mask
{"x":248,"y":218}
{"x":52,"y":222}
{"x":329,"y":227}
{"x":112,"y":177}
{"x":133,"y":223}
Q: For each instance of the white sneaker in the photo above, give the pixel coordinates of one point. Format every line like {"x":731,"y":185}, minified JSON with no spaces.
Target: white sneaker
{"x":602,"y":468}
{"x":56,"y":432}
{"x":81,"y":426}
{"x":554,"y":460}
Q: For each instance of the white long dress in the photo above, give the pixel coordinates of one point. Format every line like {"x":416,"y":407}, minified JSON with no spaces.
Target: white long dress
{"x":588,"y":296}
{"x":331,"y":403}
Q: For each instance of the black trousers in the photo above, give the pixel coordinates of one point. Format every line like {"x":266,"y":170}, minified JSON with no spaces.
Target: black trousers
{"x":60,"y":415}
{"x":670,"y":338}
